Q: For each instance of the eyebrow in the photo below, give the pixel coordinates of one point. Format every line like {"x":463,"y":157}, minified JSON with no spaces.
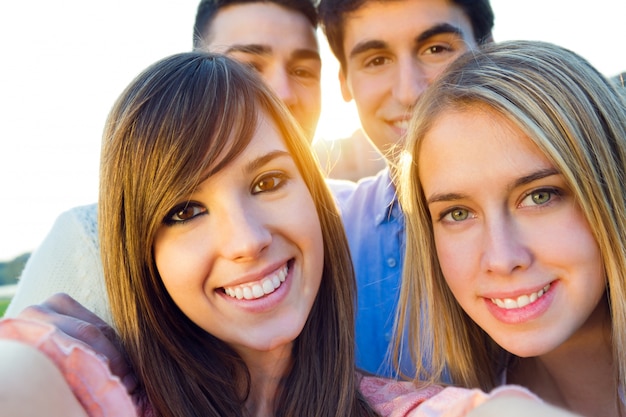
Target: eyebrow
{"x":439,"y":29}
{"x":543,"y":173}
{"x":526,"y":179}
{"x":259,"y":49}
{"x":258,"y":162}
{"x":256,"y":49}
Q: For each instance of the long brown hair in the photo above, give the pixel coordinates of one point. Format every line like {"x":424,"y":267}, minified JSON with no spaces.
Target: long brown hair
{"x":163,"y":134}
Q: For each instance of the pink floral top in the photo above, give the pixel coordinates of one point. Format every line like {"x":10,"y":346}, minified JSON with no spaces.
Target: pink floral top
{"x":103,"y":395}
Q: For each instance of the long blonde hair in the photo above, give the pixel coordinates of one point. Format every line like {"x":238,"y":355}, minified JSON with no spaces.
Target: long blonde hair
{"x":169,"y":127}
{"x":578,"y":119}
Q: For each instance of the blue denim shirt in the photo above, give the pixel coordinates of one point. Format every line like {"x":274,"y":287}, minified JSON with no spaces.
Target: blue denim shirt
{"x":374,"y":225}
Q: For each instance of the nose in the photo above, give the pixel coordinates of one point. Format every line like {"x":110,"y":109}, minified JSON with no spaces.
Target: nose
{"x":243,"y":234}
{"x":504,"y":251}
{"x":280,"y":81}
{"x":411,"y":81}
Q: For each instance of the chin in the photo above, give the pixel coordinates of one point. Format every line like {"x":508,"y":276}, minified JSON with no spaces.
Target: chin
{"x":528,"y":349}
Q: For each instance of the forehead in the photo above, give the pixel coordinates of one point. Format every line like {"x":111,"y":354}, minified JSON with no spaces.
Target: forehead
{"x":476,"y":145}
{"x":398,"y":22}
{"x":260,"y":23}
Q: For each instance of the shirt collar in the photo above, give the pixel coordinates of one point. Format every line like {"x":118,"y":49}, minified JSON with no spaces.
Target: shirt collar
{"x":386,"y":205}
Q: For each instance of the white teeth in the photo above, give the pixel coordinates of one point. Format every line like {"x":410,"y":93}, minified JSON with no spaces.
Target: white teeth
{"x":247,"y":293}
{"x":268,"y":286}
{"x":521,"y":301}
{"x":258,"y":289}
{"x":404,"y":124}
{"x":276,"y":281}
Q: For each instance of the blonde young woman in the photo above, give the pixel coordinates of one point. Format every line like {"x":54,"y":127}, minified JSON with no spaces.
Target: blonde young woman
{"x":227,"y":269}
{"x":514,"y":185}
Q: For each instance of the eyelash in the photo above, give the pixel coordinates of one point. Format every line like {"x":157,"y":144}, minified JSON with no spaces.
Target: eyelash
{"x":273,"y":176}
{"x":553,"y":193}
{"x":436,"y":49}
{"x":444,"y":214}
{"x":376,"y":61}
{"x":169,"y":219}
{"x":279,"y":179}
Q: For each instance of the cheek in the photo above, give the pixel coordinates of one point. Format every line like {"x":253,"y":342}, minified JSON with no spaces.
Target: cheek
{"x":307,"y":93}
{"x":314,"y":94}
{"x":566,"y":240}
{"x":304,"y":229}
{"x":574,"y":244}
{"x":457,"y":258}
{"x":367,"y":94}
{"x":311,"y":230}
{"x":180,"y":266}
{"x":310,"y":98}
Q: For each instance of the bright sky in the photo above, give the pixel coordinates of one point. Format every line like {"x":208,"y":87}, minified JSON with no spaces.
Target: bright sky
{"x":65,"y":63}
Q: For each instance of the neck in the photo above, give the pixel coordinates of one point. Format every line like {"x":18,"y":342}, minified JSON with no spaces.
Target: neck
{"x":267,"y":371}
{"x":580,"y":374}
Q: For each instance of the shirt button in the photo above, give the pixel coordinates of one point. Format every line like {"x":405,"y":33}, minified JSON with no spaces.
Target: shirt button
{"x":391,"y":262}
{"x":388,"y":337}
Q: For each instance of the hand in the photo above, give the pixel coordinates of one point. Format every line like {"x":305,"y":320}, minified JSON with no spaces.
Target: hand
{"x":70,"y":317}
{"x":513,"y":406}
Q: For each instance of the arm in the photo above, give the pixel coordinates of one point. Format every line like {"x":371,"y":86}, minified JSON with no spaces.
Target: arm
{"x":68,"y":260}
{"x":404,"y":399}
{"x":31,"y":385}
{"x":46,"y":372}
{"x":504,"y":401}
{"x":73,"y":319}
{"x":517,"y":407}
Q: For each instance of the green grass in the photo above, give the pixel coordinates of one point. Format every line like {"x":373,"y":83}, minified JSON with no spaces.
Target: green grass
{"x":3,"y":306}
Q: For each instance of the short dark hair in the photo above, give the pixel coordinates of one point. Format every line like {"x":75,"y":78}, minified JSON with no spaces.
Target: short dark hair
{"x":332,"y":18}
{"x":207,"y":9}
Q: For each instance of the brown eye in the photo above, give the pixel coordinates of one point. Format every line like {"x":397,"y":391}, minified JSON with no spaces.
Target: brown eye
{"x":268,"y":183}
{"x":183,"y":213}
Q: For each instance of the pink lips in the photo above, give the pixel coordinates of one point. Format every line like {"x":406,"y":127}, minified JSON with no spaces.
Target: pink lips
{"x":521,"y":310}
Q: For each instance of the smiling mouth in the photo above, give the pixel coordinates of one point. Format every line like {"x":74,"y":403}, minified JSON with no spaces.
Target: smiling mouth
{"x":521,"y":301}
{"x":401,"y":124}
{"x":260,"y":288}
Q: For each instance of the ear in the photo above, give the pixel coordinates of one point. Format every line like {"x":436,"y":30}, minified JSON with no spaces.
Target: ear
{"x":345,"y":91}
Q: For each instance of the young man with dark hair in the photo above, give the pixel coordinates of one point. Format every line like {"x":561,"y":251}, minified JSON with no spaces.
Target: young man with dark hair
{"x":278,"y":39}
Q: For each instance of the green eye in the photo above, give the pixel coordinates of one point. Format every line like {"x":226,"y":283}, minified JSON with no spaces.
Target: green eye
{"x":541,"y":197}
{"x":459,"y":214}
